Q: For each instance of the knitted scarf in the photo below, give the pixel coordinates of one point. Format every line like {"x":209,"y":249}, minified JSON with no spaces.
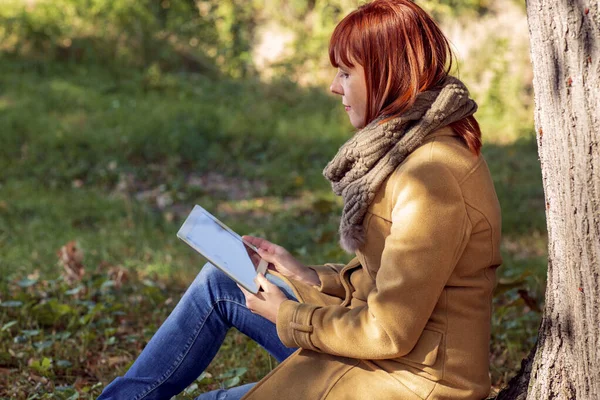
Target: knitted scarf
{"x":373,"y":153}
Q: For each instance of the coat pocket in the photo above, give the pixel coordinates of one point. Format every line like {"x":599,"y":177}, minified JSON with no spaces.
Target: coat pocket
{"x":426,"y":350}
{"x":303,"y":375}
{"x":367,"y":381}
{"x":420,"y":369}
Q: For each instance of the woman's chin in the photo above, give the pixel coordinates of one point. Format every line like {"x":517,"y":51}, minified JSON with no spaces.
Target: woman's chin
{"x":357,"y":125}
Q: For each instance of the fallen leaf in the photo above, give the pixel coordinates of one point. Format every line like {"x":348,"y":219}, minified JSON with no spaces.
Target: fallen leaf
{"x":70,"y":257}
{"x":117,"y":360}
{"x":118,"y":275}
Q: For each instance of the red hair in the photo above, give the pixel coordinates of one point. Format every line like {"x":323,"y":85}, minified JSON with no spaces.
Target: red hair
{"x":403,"y":53}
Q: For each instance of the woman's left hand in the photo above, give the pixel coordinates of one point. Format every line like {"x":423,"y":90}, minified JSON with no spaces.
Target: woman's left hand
{"x":265,"y":303}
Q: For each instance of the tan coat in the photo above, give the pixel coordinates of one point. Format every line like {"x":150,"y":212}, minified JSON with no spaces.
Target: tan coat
{"x":409,"y":317}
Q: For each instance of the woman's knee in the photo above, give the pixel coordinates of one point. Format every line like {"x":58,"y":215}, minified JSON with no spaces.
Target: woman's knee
{"x":212,"y":280}
{"x":209,"y":275}
{"x":216,"y":289}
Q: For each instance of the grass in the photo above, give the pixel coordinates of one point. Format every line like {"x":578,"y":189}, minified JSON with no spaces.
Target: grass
{"x":115,"y":162}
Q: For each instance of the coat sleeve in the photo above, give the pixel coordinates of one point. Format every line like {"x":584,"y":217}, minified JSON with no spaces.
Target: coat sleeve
{"x":430,"y":229}
{"x":329,"y":275}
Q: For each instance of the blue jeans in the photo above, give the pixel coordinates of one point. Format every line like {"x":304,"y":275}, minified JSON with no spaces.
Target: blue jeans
{"x":190,"y":337}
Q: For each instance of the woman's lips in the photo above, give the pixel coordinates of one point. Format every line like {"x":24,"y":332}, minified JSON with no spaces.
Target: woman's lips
{"x":347,"y":108}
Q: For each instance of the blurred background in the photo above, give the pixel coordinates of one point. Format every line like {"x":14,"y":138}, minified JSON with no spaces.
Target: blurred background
{"x":117,"y":116}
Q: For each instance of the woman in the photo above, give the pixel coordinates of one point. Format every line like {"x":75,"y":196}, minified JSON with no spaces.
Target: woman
{"x":409,"y":316}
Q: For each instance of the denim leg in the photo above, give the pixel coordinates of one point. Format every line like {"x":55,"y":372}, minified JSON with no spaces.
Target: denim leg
{"x":190,"y":337}
{"x":235,"y":393}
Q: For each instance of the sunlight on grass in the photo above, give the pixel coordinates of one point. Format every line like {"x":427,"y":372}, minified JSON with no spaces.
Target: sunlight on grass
{"x":5,"y":102}
{"x":502,"y":138}
{"x":323,"y":201}
{"x":68,"y":90}
{"x":76,"y":120}
{"x":164,"y":269}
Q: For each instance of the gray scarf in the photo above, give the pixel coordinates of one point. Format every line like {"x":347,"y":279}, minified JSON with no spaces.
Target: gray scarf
{"x":373,"y":153}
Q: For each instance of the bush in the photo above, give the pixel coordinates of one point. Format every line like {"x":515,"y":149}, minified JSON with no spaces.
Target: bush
{"x":106,"y":32}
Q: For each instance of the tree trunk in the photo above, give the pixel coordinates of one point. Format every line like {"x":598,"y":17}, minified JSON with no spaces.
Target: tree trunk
{"x":517,"y":387}
{"x":565,"y":52}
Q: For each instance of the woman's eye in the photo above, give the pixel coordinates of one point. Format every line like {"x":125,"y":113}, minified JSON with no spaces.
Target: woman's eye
{"x":344,"y":74}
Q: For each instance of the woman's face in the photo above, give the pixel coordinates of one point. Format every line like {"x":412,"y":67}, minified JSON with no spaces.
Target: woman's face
{"x":351,"y":85}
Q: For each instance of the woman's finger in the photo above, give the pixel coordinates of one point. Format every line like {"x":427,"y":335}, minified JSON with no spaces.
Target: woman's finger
{"x":247,"y":294}
{"x":264,"y":247}
{"x":256,"y":241}
{"x":255,"y":259}
{"x":264,"y":283}
{"x":267,"y":256}
{"x":249,"y":298}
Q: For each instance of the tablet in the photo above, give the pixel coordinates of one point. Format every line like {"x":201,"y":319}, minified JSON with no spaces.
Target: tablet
{"x":222,"y":247}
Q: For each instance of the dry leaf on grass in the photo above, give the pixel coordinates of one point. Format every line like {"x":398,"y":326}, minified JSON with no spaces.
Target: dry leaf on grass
{"x":80,"y":383}
{"x":70,"y":257}
{"x":119,"y":275}
{"x":112,"y":361}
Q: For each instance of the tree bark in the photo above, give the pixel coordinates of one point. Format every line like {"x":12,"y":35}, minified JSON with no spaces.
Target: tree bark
{"x":565,"y":52}
{"x":518,"y":385}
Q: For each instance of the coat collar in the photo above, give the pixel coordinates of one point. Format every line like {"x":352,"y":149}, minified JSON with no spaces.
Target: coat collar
{"x":445,"y":131}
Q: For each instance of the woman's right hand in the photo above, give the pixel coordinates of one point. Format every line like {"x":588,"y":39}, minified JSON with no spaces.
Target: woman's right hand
{"x":282,"y":261}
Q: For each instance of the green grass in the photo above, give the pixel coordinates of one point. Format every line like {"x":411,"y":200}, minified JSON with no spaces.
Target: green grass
{"x":116,"y":161}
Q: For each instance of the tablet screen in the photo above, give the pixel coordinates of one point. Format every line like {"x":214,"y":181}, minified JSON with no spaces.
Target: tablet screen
{"x":220,"y":246}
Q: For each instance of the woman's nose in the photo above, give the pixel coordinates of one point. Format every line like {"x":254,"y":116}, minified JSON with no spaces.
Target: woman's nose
{"x":335,"y":87}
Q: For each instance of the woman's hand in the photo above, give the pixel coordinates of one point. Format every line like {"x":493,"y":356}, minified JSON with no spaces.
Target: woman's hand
{"x":267,"y":302}
{"x":282,"y":261}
